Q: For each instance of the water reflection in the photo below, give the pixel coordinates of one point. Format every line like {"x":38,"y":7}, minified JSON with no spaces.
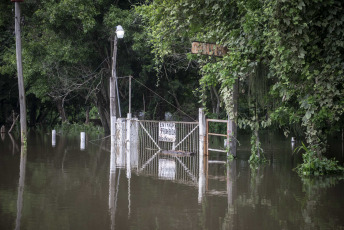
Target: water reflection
{"x":67,"y":188}
{"x":21,"y":186}
{"x":314,"y":189}
{"x":15,"y":147}
{"x":201,"y":178}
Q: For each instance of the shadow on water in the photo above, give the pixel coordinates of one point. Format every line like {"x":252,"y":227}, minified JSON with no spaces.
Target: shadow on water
{"x":69,"y":188}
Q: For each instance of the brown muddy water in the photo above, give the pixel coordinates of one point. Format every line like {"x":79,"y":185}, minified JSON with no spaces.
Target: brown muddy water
{"x":63,"y":187}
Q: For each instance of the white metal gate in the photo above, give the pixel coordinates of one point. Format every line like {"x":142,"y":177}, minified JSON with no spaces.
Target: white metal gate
{"x":186,"y":136}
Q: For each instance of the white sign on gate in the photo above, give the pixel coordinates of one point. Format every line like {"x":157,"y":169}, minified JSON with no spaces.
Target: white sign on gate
{"x":167,"y":131}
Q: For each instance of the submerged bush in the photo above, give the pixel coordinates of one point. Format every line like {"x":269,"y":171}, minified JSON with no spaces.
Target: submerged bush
{"x":314,"y":165}
{"x":66,"y":127}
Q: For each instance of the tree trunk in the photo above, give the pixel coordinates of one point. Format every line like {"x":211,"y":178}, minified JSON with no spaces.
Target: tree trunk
{"x":218,"y":102}
{"x":32,"y":111}
{"x":42,"y":114}
{"x":103,"y":104}
{"x":61,"y":110}
{"x":87,"y":121}
{"x":212,"y":99}
{"x":22,"y":102}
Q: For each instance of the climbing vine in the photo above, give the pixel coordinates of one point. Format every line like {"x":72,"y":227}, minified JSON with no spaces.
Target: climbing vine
{"x":287,"y":55}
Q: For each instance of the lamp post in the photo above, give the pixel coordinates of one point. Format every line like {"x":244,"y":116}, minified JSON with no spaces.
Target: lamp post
{"x":22,"y":103}
{"x":119,"y":34}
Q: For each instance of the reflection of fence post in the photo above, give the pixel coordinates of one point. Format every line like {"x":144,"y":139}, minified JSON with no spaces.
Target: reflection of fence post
{"x":202,"y":132}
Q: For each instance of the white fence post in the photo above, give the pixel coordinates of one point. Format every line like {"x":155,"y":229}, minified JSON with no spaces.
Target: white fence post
{"x":82,"y":140}
{"x":134,"y":143}
{"x":121,"y":137}
{"x":202,"y":131}
{"x":53,"y":138}
{"x":128,"y":142}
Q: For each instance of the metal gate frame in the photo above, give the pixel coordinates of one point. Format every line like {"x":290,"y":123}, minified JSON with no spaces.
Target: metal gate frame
{"x":216,"y":134}
{"x":149,"y":131}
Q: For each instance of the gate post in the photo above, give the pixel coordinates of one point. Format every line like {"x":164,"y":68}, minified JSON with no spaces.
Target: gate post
{"x":128,"y":132}
{"x":128,"y":149}
{"x":202,"y":132}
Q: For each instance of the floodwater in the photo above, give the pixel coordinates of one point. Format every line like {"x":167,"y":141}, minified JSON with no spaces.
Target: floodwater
{"x":63,"y":187}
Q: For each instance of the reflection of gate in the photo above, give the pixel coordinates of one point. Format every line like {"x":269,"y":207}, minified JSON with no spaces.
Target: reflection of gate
{"x":186,"y":136}
{"x":169,"y":167}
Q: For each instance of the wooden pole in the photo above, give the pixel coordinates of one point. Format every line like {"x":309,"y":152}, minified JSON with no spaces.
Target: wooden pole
{"x":118,"y":101}
{"x":22,"y":103}
{"x":113,"y":98}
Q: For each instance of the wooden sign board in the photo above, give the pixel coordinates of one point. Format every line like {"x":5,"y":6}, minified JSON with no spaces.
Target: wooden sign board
{"x":167,"y":131}
{"x":208,"y":49}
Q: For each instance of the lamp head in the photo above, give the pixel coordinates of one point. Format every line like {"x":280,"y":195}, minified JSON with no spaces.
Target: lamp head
{"x":119,"y":31}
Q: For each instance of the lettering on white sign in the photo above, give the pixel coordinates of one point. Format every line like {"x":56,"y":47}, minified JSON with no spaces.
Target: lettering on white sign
{"x":167,"y":131}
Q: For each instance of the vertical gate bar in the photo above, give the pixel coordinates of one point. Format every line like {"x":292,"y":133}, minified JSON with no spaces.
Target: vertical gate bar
{"x":190,"y":140}
{"x":152,"y":131}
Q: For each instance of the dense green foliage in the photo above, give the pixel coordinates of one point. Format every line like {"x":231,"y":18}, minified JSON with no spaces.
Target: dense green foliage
{"x":67,"y":58}
{"x":287,"y":55}
{"x":66,"y":128}
{"x":314,"y":165}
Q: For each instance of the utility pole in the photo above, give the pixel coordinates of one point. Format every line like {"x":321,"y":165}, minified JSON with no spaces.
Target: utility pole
{"x":113,"y":97}
{"x":22,"y":103}
{"x":113,"y":80}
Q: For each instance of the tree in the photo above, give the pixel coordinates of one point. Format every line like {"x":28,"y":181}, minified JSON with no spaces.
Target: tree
{"x":289,"y":55}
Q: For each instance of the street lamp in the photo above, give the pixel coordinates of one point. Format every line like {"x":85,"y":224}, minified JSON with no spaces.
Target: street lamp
{"x":113,"y":80}
{"x":119,"y":31}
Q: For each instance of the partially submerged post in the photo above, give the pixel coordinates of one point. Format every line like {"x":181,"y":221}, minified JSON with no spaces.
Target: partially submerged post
{"x":129,"y":124}
{"x":53,"y":137}
{"x":113,"y":98}
{"x":22,"y":103}
{"x":202,"y":132}
{"x":82,"y":140}
{"x":113,"y":79}
{"x":202,"y":138}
